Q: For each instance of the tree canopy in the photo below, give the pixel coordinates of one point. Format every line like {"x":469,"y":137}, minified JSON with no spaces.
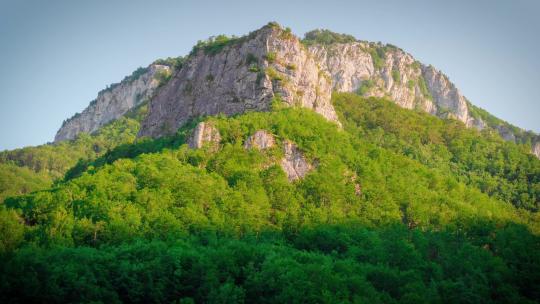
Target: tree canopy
{"x":394,"y":211}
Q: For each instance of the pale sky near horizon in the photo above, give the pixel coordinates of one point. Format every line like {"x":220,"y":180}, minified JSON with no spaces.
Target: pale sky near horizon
{"x":56,"y":55}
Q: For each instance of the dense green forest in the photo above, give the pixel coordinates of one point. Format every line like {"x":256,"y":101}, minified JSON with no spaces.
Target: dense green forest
{"x":35,"y":168}
{"x":401,"y":207}
{"x":499,"y":168}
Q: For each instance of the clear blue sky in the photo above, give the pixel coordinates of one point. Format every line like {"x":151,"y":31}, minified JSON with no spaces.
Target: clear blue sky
{"x":56,"y":55}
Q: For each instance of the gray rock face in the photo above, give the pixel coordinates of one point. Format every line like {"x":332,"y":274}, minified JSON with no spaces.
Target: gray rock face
{"x":397,"y":76}
{"x":205,"y":134}
{"x":244,"y":76}
{"x":536,"y":148}
{"x":294,"y":163}
{"x":111,"y":104}
{"x":506,"y":133}
{"x":351,"y":66}
{"x":261,"y":140}
{"x":447,"y":97}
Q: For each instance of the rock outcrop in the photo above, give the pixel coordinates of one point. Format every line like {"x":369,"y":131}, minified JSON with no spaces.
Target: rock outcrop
{"x":385,"y":71}
{"x":245,"y":75}
{"x":352,"y":67}
{"x":536,"y":148}
{"x":506,"y":133}
{"x":294,"y":163}
{"x":205,"y":134}
{"x":111,"y":104}
{"x":261,"y":140}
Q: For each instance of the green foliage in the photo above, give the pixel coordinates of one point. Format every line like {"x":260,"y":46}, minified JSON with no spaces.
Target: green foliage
{"x":163,"y":76}
{"x":501,"y":169}
{"x":251,"y":59}
{"x":277,"y":103}
{"x":128,"y":79}
{"x":411,"y":84}
{"x":522,"y":136}
{"x":365,"y":86}
{"x":11,"y":230}
{"x":156,"y":221}
{"x":423,"y":88}
{"x":173,"y":62}
{"x":15,"y":180}
{"x":270,"y":57}
{"x":378,"y":55}
{"x":286,"y":33}
{"x":35,"y":168}
{"x":214,"y":44}
{"x":273,"y":74}
{"x":396,"y":76}
{"x":322,"y":264}
{"x":291,"y":67}
{"x":326,"y":37}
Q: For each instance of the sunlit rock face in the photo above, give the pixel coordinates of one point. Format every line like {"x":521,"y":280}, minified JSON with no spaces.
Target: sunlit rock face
{"x":536,"y":148}
{"x":398,"y":76}
{"x":111,"y":104}
{"x":205,"y":134}
{"x":245,"y":75}
{"x":294,"y":163}
{"x":261,"y":140}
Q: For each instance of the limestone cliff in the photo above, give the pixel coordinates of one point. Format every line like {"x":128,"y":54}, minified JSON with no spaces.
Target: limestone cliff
{"x":246,"y":74}
{"x":112,"y":103}
{"x":536,"y":147}
{"x":373,"y":69}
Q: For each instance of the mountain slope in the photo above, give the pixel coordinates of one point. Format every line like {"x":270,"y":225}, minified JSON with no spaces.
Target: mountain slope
{"x":42,"y":165}
{"x":482,"y":159}
{"x":215,"y":225}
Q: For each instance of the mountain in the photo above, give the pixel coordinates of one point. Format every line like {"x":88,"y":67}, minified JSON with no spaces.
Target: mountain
{"x":113,"y":102}
{"x":235,"y":75}
{"x":266,"y":169}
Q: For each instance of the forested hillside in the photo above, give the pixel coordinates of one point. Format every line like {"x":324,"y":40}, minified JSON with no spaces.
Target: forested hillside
{"x":35,"y":168}
{"x":399,"y":207}
{"x":484,"y":160}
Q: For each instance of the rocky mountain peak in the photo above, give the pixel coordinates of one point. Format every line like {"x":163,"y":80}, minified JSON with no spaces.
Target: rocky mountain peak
{"x":239,"y":75}
{"x":272,"y":66}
